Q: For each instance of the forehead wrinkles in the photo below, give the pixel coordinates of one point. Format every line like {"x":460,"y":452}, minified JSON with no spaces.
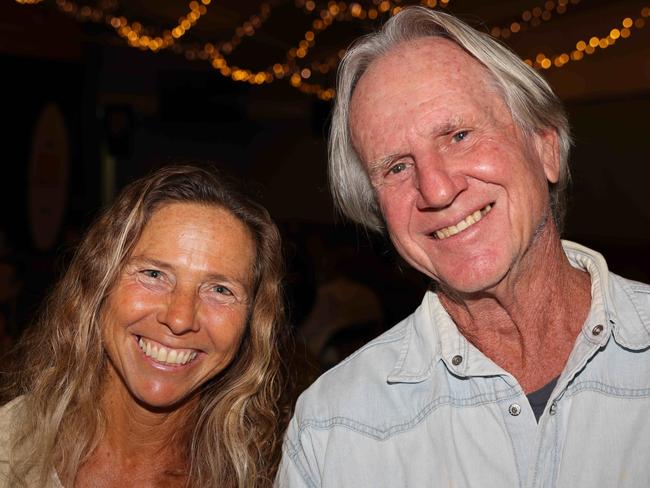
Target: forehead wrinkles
{"x":425,"y":75}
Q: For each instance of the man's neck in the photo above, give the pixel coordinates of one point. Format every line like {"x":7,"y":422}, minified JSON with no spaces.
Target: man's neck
{"x":528,"y":323}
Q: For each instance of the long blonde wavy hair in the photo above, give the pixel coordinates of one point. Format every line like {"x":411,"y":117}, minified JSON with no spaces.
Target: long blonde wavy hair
{"x":236,"y":433}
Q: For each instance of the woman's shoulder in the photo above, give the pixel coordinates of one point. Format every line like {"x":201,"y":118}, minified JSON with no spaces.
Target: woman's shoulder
{"x":8,"y":422}
{"x":10,"y":410}
{"x":9,"y":413}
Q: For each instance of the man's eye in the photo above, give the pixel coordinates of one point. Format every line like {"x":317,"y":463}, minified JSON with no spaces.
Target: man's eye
{"x":460,"y":136}
{"x":222,"y":290}
{"x":152,"y":273}
{"x":398,"y":168}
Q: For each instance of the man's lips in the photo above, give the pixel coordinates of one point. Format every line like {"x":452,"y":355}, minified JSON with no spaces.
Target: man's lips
{"x":462,"y":224}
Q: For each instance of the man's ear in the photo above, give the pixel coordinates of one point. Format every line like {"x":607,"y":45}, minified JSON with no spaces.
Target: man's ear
{"x":548,"y":149}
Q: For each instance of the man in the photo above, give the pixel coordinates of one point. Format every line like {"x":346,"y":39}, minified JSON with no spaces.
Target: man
{"x":528,"y":364}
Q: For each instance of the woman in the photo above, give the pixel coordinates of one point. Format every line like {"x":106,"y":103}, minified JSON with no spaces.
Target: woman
{"x":155,"y":361}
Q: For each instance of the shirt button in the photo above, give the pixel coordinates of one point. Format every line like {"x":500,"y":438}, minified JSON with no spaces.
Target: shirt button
{"x":514,"y":409}
{"x":553,"y":408}
{"x":597,"y":330}
{"x":456,"y":360}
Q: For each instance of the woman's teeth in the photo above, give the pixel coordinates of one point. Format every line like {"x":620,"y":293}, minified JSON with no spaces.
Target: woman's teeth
{"x":468,"y":221}
{"x":165,"y":355}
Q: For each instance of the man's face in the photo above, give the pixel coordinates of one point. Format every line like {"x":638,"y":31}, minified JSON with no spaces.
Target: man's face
{"x":463,"y":191}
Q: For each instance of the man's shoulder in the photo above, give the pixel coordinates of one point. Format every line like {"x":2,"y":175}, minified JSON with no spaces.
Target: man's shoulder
{"x":636,"y":291}
{"x":631,"y":308}
{"x":637,"y":287}
{"x":349,"y":384}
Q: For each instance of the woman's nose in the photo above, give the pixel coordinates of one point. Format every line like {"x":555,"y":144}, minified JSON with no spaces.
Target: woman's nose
{"x":180,"y":311}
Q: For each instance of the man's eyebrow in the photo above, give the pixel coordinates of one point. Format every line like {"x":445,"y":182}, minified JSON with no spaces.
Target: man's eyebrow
{"x":447,"y":126}
{"x":382,"y":163}
{"x":441,"y":129}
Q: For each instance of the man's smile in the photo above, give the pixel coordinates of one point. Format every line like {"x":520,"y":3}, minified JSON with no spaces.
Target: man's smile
{"x":463,"y":224}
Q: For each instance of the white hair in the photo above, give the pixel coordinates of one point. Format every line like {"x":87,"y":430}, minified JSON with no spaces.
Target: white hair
{"x":528,"y":96}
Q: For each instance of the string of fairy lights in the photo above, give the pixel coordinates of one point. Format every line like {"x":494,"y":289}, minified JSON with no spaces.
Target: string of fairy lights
{"x":292,"y":67}
{"x":589,"y":46}
{"x":533,"y":18}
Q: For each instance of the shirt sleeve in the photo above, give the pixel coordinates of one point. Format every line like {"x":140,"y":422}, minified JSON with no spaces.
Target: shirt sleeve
{"x":299,"y":465}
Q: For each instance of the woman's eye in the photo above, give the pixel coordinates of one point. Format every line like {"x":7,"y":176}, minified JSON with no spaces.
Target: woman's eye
{"x":152,"y":273}
{"x":460,"y":136}
{"x":222,"y":290}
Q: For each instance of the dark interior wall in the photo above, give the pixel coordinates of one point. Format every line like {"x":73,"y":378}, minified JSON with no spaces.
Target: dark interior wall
{"x":24,"y":93}
{"x":274,"y":137}
{"x":28,"y":84}
{"x":609,"y":205}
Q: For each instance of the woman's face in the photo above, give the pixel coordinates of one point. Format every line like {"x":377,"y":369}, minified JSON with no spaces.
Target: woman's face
{"x":178,"y":312}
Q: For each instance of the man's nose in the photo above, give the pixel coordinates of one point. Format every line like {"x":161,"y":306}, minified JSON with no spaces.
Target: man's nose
{"x":437,"y":185}
{"x":179,"y":313}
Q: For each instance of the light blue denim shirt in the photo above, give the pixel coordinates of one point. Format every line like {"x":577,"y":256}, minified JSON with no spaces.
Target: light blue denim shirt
{"x":421,"y":407}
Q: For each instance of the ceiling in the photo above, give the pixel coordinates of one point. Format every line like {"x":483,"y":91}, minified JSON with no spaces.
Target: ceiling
{"x":62,"y":28}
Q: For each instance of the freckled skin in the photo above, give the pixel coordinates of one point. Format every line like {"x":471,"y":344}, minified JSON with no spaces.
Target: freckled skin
{"x":412,"y":103}
{"x":438,"y":144}
{"x":186,"y":286}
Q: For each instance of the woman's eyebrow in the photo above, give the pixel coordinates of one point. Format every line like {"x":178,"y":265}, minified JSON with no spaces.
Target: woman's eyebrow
{"x":144,"y":260}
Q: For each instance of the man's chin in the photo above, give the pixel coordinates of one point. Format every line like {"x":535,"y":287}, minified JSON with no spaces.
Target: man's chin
{"x":472,"y":285}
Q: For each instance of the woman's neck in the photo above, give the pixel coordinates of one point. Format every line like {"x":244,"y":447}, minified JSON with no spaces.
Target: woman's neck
{"x":140,"y":446}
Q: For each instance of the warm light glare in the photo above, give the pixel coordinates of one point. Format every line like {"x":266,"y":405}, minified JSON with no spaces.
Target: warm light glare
{"x":144,"y":37}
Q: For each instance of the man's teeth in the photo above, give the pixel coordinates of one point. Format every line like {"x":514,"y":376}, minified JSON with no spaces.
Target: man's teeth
{"x":166,"y":355}
{"x":468,"y":221}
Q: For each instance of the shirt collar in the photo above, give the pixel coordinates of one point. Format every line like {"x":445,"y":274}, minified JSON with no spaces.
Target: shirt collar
{"x":420,"y":346}
{"x":431,"y":335}
{"x":614,"y":304}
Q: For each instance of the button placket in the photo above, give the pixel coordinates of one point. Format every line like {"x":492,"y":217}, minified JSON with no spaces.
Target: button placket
{"x":597,"y":330}
{"x":514,"y":409}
